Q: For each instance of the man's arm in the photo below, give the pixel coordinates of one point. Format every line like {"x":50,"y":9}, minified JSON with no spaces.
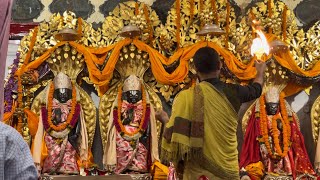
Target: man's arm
{"x":18,"y":161}
{"x":253,"y":90}
{"x":260,"y":67}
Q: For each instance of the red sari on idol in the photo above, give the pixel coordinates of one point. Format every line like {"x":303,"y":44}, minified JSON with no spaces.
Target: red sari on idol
{"x":257,"y":161}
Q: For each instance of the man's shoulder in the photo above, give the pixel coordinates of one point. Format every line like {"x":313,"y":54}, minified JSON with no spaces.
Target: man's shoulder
{"x":10,"y":135}
{"x":186,"y":92}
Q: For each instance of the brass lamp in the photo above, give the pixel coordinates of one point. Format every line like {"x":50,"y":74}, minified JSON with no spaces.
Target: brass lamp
{"x":130,"y":31}
{"x":278,"y":46}
{"x":67,"y":34}
{"x":210,"y":29}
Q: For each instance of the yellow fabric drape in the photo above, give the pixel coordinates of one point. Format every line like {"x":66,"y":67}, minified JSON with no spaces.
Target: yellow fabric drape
{"x":33,"y":121}
{"x":219,"y":130}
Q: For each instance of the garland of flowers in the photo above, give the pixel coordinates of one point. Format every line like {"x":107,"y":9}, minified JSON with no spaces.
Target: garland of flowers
{"x":227,"y":25}
{"x":79,"y":31}
{"x":178,"y":24}
{"x":44,"y":114}
{"x":284,"y":23}
{"x":71,"y":113}
{"x":136,"y":8}
{"x":191,"y":10}
{"x":253,"y":17}
{"x":150,"y":29}
{"x":269,"y":13}
{"x":144,"y":120}
{"x":214,"y":8}
{"x":286,"y":128}
{"x":201,"y":10}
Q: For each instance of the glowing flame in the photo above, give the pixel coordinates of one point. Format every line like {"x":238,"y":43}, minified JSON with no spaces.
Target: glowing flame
{"x":260,"y":45}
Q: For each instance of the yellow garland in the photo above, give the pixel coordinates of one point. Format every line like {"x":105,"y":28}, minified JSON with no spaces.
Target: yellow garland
{"x":23,"y":69}
{"x":227,"y":26}
{"x":79,"y":26}
{"x":252,"y":17}
{"x":71,"y":113}
{"x":146,"y":14}
{"x":178,"y":23}
{"x":269,"y":14}
{"x":201,"y":10}
{"x":136,"y":9}
{"x":284,"y":23}
{"x":214,"y":8}
{"x":144,"y":105}
{"x":286,"y":128}
{"x":191,"y":10}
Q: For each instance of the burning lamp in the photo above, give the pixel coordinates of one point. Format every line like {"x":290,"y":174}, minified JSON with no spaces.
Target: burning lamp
{"x":260,"y":46}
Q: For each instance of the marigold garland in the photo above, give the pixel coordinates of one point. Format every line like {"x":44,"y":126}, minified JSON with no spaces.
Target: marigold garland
{"x":178,"y":23}
{"x":286,"y":132}
{"x":150,"y":29}
{"x":80,"y":26}
{"x":142,"y":123}
{"x":214,"y":9}
{"x":191,"y":10}
{"x":136,"y":8}
{"x":284,"y":23}
{"x":70,"y":115}
{"x":227,"y":26}
{"x":200,"y":11}
{"x":269,"y":13}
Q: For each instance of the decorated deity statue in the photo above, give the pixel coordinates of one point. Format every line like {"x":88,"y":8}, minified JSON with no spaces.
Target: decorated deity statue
{"x":132,"y":144}
{"x":61,"y":142}
{"x":273,"y":144}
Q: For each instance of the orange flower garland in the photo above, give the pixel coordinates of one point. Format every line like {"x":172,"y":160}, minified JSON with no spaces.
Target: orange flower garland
{"x":214,"y":9}
{"x":227,"y":26}
{"x":63,"y":126}
{"x":150,"y":29}
{"x":286,"y":128}
{"x":178,"y":23}
{"x":269,"y":13}
{"x":144,"y":105}
{"x":284,"y":23}
{"x":191,"y":10}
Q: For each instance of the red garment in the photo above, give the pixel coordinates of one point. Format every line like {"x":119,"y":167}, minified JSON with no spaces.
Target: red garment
{"x":295,"y":163}
{"x":250,"y":152}
{"x":301,"y":159}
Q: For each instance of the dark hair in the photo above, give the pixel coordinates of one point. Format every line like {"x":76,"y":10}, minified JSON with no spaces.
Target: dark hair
{"x":206,"y":60}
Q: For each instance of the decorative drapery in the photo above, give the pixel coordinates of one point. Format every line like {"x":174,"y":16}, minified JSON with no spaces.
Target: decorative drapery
{"x":97,"y":56}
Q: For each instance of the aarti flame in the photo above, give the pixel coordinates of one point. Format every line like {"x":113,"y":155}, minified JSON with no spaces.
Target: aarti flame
{"x":260,"y":45}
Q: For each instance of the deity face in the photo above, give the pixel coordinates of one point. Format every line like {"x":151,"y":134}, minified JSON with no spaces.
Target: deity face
{"x":132,"y":96}
{"x":272,"y":108}
{"x":62,"y":94}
